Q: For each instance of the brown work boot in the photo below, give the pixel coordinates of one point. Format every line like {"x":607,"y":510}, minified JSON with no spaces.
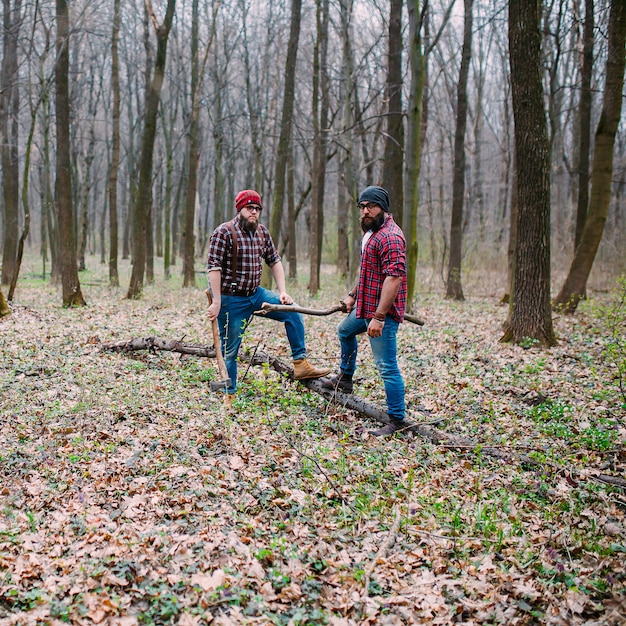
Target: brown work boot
{"x":389,"y":429}
{"x":303,"y":370}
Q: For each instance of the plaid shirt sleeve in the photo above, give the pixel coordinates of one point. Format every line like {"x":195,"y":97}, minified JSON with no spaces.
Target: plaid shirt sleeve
{"x":218,"y":245}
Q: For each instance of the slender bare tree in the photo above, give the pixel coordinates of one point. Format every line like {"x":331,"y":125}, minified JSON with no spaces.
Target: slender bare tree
{"x":575,"y":284}
{"x":454,"y":287}
{"x":141,"y":206}
{"x":394,"y":143}
{"x":284,"y":140}
{"x":114,"y":278}
{"x":72,"y":294}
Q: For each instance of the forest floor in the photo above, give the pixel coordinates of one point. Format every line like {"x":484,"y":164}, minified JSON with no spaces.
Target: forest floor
{"x":128,"y":495}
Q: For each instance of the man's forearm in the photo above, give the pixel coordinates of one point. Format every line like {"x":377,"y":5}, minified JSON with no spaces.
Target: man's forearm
{"x":391,"y":287}
{"x":215,"y":283}
{"x":278,"y":272}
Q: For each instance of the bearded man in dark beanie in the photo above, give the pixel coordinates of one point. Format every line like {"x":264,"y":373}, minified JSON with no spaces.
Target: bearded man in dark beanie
{"x":376,"y":305}
{"x":236,"y":252}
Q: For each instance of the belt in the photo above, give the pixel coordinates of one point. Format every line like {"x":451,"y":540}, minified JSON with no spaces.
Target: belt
{"x":246,"y":293}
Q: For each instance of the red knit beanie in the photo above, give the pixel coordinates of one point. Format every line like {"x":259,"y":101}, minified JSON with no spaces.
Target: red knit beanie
{"x":248,"y":196}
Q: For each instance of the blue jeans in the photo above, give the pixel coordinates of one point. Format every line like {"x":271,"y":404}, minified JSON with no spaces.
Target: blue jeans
{"x":384,"y":349}
{"x":233,"y":319}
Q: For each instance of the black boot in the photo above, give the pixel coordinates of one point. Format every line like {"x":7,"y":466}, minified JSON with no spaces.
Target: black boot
{"x":338,"y":382}
{"x":390,"y":428}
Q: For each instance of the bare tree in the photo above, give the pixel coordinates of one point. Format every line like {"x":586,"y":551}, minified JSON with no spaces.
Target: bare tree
{"x":72,"y":295}
{"x":530,"y":316}
{"x":454,"y":288}
{"x":602,"y":169}
{"x":286,"y":122}
{"x":141,"y":206}
{"x":584,"y":121}
{"x":114,"y":279}
{"x":9,"y":135}
{"x":394,"y":144}
{"x":416,"y":129}
{"x":320,"y":106}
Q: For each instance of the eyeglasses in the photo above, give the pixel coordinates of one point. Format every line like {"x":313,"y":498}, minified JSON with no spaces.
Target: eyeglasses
{"x":254,"y":208}
{"x":366,"y":206}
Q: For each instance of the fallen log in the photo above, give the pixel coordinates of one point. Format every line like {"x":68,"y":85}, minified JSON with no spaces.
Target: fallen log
{"x":157,"y":343}
{"x":341,"y":307}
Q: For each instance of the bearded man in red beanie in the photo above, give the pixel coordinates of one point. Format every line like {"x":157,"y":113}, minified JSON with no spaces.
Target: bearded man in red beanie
{"x":236,"y":252}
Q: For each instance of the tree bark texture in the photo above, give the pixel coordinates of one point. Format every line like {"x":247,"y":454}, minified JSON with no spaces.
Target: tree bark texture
{"x":320,"y":106}
{"x":454,"y":288}
{"x":72,"y":295}
{"x":530,"y":316}
{"x":584,"y":122}
{"x":417,"y":63}
{"x":575,"y":284}
{"x":9,"y":134}
{"x":394,"y":144}
{"x":189,"y":275}
{"x":114,"y":279}
{"x":141,"y":205}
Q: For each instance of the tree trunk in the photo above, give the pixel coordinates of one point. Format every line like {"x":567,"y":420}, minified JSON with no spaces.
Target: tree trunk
{"x":189,"y":275}
{"x":320,"y":106}
{"x":276,"y":216}
{"x":141,"y":206}
{"x":72,"y":295}
{"x":9,"y":135}
{"x":602,"y":170}
{"x":291,"y":219}
{"x":346,"y":181}
{"x":530,"y":316}
{"x":454,"y":288}
{"x":394,"y":144}
{"x":4,"y":307}
{"x":114,"y":278}
{"x":413,"y":156}
{"x":584,"y":122}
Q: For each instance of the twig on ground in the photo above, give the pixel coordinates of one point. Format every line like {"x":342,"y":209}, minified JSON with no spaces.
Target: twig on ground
{"x":382,"y":551}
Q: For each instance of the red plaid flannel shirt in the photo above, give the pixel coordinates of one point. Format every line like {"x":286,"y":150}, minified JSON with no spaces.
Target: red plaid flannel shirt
{"x":384,"y":255}
{"x":252,"y":250}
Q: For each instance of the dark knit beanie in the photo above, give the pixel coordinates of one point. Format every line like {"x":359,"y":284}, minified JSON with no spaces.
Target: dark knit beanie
{"x":377,"y":195}
{"x":247,"y":196}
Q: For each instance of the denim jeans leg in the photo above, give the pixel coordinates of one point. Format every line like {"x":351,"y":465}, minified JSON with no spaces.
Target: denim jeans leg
{"x":347,"y":331}
{"x":294,"y":325}
{"x":384,"y":349}
{"x":232,"y":320}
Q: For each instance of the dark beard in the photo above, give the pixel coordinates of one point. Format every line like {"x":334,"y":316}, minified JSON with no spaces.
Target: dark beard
{"x":373,"y":223}
{"x":248,"y":225}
